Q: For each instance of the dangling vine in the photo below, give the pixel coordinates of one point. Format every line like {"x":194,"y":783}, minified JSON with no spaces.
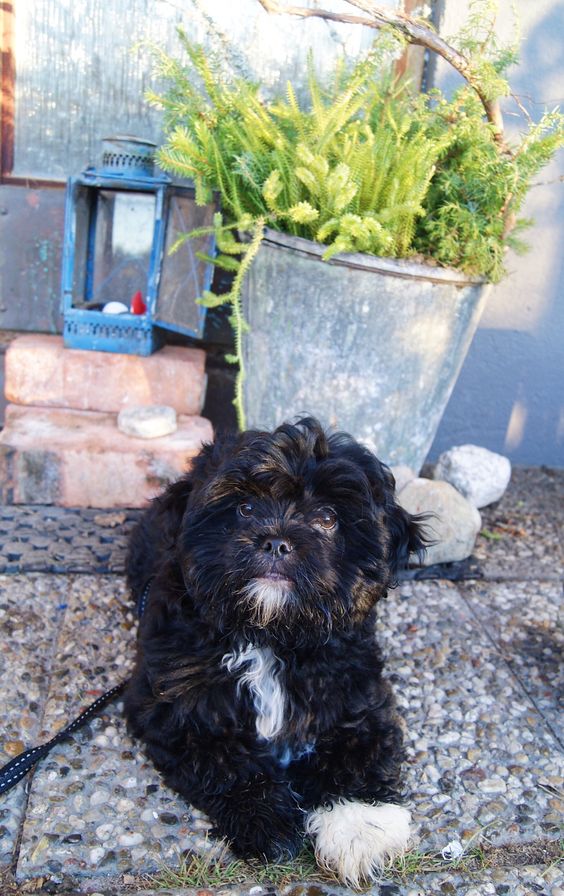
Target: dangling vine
{"x":236,"y":257}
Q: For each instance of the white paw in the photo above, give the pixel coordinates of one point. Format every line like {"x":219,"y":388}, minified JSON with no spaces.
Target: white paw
{"x":355,"y":839}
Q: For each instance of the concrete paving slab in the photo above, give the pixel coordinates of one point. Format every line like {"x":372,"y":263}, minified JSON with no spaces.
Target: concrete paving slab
{"x":526,"y":622}
{"x":31,"y":611}
{"x":479,"y":750}
{"x":95,"y":804}
{"x":480,"y":753}
{"x":529,"y":880}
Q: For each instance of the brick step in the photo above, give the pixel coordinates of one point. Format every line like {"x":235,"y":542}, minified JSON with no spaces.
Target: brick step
{"x":41,"y":372}
{"x":80,"y":458}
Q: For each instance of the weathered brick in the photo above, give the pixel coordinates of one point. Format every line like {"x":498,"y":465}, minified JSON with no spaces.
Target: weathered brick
{"x":80,"y":458}
{"x":41,"y":371}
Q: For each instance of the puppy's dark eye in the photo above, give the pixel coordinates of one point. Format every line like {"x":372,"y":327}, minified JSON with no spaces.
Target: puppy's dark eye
{"x":326,"y":518}
{"x":245,"y":509}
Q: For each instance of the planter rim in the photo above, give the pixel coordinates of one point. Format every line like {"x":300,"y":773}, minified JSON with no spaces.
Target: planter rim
{"x":395,"y":267}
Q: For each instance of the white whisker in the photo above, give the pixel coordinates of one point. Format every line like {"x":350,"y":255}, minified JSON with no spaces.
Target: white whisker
{"x":267,"y":599}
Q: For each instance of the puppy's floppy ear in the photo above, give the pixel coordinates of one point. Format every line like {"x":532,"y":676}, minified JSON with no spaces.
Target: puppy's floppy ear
{"x":407,"y":532}
{"x":155,"y":534}
{"x":169,"y":508}
{"x":211,"y":458}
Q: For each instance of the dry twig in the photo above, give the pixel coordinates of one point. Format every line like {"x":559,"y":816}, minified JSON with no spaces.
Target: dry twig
{"x":414,"y":31}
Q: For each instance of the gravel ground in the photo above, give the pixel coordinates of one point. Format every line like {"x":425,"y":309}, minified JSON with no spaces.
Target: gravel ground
{"x":475,"y":665}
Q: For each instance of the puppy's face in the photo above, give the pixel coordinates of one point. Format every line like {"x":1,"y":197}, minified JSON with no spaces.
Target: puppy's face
{"x":292,"y":531}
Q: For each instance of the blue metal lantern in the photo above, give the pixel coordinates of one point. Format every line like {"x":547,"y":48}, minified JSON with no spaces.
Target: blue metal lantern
{"x":121,"y":286}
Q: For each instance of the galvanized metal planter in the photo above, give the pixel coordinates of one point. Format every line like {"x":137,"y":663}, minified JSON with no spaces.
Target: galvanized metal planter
{"x":369,"y":345}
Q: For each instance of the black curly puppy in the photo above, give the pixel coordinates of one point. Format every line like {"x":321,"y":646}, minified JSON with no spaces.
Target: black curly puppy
{"x":257,"y":689}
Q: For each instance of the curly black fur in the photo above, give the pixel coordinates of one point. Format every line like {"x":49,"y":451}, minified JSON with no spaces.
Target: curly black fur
{"x":312,"y":519}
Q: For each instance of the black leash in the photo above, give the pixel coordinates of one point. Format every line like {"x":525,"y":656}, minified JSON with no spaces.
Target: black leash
{"x":18,"y":767}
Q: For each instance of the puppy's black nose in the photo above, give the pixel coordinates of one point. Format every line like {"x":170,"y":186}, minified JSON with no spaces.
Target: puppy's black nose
{"x":277,"y":546}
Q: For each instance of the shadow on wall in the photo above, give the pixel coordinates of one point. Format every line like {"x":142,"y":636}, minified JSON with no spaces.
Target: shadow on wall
{"x":510,"y":393}
{"x":484,"y":411}
{"x":539,"y":74}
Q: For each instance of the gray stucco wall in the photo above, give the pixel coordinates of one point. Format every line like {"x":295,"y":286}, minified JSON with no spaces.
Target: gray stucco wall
{"x":510,"y":393}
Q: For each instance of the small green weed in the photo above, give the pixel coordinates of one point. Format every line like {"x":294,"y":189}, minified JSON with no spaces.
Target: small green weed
{"x":220,"y":869}
{"x":491,"y":536}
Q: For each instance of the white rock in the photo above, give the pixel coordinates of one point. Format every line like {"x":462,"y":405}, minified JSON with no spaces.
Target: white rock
{"x":453,"y":850}
{"x":133,"y":839}
{"x":125,"y":806}
{"x":449,"y":737}
{"x":99,"y":797}
{"x":402,"y":474}
{"x":480,"y":475}
{"x":454,"y":524}
{"x":104,"y":831}
{"x":492,"y":785}
{"x":148,"y":421}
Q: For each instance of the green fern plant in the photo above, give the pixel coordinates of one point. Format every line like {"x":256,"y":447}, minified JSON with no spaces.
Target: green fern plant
{"x":363,"y":165}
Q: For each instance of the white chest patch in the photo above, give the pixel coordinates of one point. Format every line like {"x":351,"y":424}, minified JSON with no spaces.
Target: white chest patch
{"x":259,"y":669}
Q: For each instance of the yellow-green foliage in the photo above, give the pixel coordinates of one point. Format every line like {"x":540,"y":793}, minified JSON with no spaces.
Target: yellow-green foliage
{"x":349,"y":169}
{"x":364,"y":165}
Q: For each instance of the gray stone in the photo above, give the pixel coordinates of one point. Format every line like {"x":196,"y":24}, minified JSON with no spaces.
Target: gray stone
{"x":480,"y":475}
{"x":454,"y":522}
{"x":147,"y":421}
{"x":402,"y":474}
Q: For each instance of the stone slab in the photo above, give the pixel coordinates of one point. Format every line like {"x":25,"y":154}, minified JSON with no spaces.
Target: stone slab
{"x":81,"y":459}
{"x":482,"y":760}
{"x":96,"y":805}
{"x":526,"y":622}
{"x":41,"y":371}
{"x":31,"y":611}
{"x":479,"y":753}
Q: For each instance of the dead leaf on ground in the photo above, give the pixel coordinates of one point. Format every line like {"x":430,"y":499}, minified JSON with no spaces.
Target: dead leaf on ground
{"x":110,"y":520}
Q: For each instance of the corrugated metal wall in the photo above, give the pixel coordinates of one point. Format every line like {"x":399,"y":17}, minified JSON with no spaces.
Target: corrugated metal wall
{"x":82,"y":69}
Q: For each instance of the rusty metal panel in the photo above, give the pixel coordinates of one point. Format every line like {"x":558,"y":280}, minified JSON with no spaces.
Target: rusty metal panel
{"x":31,"y":236}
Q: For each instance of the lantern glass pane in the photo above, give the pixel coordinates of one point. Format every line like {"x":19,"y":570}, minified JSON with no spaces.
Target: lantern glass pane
{"x":184,"y":276}
{"x":119,"y":257}
{"x":82,"y":205}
